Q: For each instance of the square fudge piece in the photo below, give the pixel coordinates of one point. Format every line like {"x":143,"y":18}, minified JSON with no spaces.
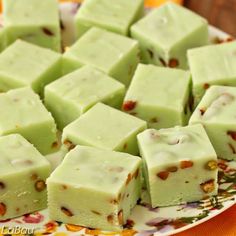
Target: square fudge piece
{"x":180,"y":165}
{"x":72,"y":95}
{"x":33,"y":21}
{"x":113,"y":54}
{"x":23,"y":112}
{"x":167,"y":33}
{"x":216,"y":112}
{"x":212,"y":65}
{"x":22,"y":177}
{"x":160,"y":96}
{"x":24,"y":64}
{"x":104,"y":127}
{"x":106,"y":185}
{"x":116,"y":17}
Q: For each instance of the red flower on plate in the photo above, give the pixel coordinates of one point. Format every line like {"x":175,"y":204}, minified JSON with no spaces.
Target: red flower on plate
{"x":33,"y":218}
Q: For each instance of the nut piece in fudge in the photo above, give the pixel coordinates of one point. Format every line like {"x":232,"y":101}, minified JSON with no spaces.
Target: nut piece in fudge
{"x":22,"y":177}
{"x":106,"y":128}
{"x":212,"y":65}
{"x":94,"y":188}
{"x":23,"y":64}
{"x":167,"y":33}
{"x":180,"y":165}
{"x":72,"y":95}
{"x":161,"y":96}
{"x":23,"y":112}
{"x":34,"y":21}
{"x":216,"y":112}
{"x":117,"y":16}
{"x":114,"y":54}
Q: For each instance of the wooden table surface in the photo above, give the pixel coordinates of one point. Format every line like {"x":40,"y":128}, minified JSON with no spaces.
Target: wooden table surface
{"x":220,"y":13}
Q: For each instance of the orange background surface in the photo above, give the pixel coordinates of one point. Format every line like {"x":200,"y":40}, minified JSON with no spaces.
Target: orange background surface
{"x":225,"y":223}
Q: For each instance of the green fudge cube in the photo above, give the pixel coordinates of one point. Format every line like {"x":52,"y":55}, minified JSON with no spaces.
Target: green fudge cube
{"x":116,"y":17}
{"x":75,"y":93}
{"x":111,"y":53}
{"x":34,"y":21}
{"x":22,"y":112}
{"x":99,"y":189}
{"x":180,"y":165}
{"x":212,"y":65}
{"x":23,"y":64}
{"x":216,"y":112}
{"x":22,"y":177}
{"x":106,"y":128}
{"x":160,"y":96}
{"x":167,"y":33}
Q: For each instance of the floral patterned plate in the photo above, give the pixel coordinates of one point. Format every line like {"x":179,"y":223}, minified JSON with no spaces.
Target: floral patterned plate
{"x":144,"y":221}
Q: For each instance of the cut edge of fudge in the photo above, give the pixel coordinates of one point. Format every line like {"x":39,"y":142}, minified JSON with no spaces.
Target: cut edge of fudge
{"x":24,"y":176}
{"x":182,"y":168}
{"x":118,"y":192}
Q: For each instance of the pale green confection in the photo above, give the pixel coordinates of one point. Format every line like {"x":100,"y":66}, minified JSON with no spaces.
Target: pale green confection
{"x":3,"y":39}
{"x":117,"y":16}
{"x":75,"y":93}
{"x":34,"y":21}
{"x":114,"y":54}
{"x":23,"y":64}
{"x":216,"y":112}
{"x":167,"y":33}
{"x":212,"y":65}
{"x":159,"y":95}
{"x":22,"y":177}
{"x":94,"y":188}
{"x":23,"y":112}
{"x":180,"y":165}
{"x":106,"y":128}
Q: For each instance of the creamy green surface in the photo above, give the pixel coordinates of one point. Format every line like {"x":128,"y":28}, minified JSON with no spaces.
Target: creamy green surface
{"x":22,"y":167}
{"x":107,"y":128}
{"x":168,"y":148}
{"x":23,"y":112}
{"x":73,"y":94}
{"x":103,"y":182}
{"x":161,"y":96}
{"x":24,"y":64}
{"x":111,"y":53}
{"x":34,"y":21}
{"x":167,"y":32}
{"x":212,"y":65}
{"x":116,"y":17}
{"x":216,"y":113}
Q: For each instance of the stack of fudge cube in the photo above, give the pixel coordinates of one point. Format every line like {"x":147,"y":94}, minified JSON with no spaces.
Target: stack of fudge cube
{"x":135,"y":97}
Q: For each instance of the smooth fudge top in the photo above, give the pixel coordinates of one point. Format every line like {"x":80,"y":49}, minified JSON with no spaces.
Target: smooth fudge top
{"x":173,"y":145}
{"x":17,"y":154}
{"x":117,"y":16}
{"x":21,"y":107}
{"x":88,"y":167}
{"x":86,"y":86}
{"x":101,"y":49}
{"x":26,"y":62}
{"x":168,"y":25}
{"x":214,"y":63}
{"x":103,"y":126}
{"x":158,"y":86}
{"x":31,"y":12}
{"x":217,"y":105}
